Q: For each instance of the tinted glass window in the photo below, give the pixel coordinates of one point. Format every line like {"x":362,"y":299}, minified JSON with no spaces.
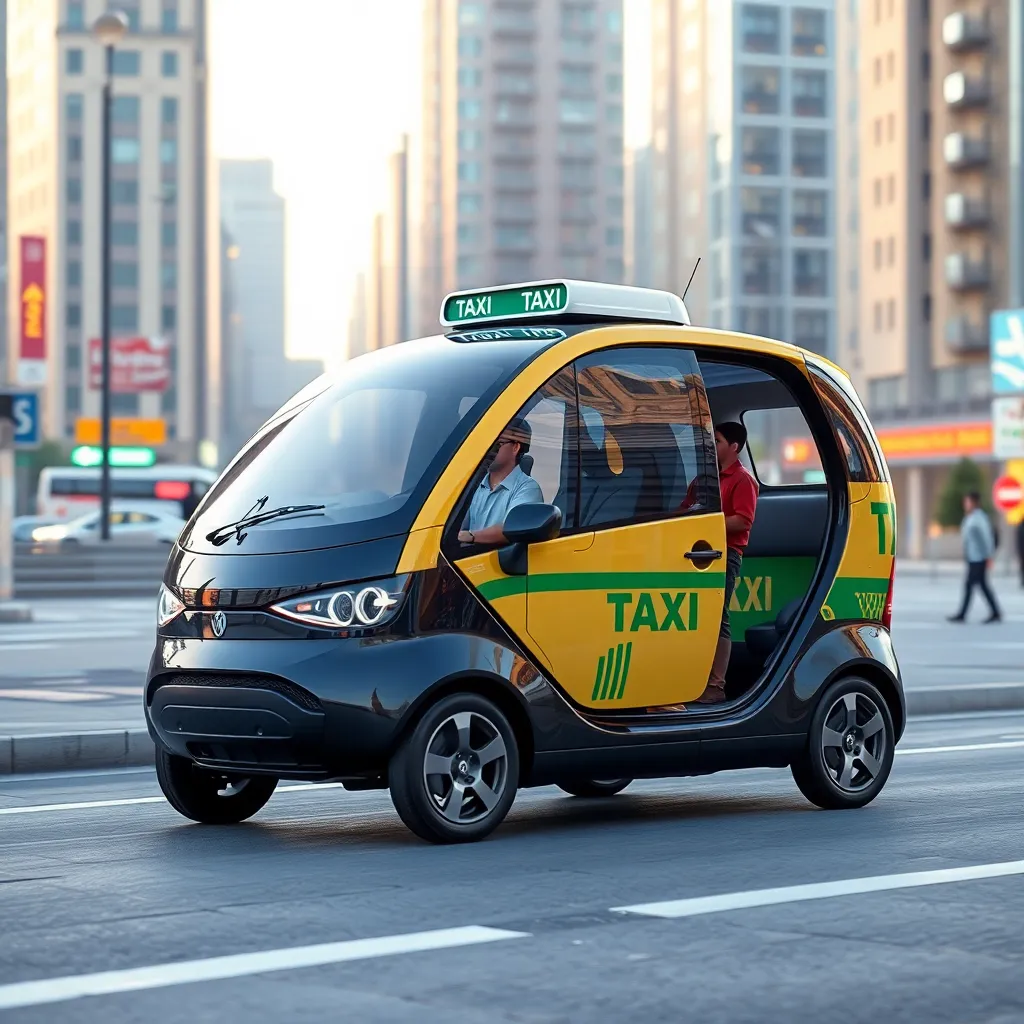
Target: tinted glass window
{"x":645,"y":437}
{"x":851,"y":431}
{"x":362,"y":448}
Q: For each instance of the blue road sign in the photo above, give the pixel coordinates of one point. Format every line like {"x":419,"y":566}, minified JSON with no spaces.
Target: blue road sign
{"x":1006,"y":336}
{"x":25,"y":406}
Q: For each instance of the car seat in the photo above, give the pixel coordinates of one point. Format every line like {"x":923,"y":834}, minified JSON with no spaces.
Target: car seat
{"x":761,"y":640}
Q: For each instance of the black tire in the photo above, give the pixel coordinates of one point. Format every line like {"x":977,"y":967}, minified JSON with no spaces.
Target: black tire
{"x":200,"y":794}
{"x":450,"y":737}
{"x":851,"y":771}
{"x":594,"y":787}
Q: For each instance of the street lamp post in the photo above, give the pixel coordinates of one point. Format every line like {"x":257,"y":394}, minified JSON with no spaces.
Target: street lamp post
{"x":109,"y":30}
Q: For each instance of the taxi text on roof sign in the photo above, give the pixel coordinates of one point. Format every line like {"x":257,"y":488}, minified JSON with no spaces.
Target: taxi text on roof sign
{"x":557,"y":299}
{"x":505,"y":303}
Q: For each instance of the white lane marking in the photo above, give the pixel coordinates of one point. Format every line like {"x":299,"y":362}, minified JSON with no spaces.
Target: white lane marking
{"x":309,"y":787}
{"x":962,"y":747}
{"x":699,"y":905}
{"x":240,"y":965}
{"x":133,"y":801}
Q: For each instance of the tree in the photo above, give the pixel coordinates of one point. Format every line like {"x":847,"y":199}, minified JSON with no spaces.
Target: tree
{"x":964,"y":477}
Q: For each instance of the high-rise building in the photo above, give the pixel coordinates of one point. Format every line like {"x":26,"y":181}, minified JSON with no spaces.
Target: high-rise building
{"x":743,"y":163}
{"x":165,"y":230}
{"x":940,"y":229}
{"x":257,"y":377}
{"x":522,"y":144}
{"x":639,"y":223}
{"x":4,"y":276}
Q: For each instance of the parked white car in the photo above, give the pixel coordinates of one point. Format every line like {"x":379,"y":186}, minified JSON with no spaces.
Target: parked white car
{"x":127,"y":526}
{"x":25,"y":526}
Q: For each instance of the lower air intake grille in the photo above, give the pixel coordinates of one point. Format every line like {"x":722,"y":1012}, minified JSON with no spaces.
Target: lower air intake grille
{"x":294,"y":693}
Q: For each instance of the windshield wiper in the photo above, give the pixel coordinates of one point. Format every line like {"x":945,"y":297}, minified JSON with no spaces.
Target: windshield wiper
{"x":253,"y":518}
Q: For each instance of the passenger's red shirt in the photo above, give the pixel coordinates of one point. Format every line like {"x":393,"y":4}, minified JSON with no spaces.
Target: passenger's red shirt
{"x":739,"y":498}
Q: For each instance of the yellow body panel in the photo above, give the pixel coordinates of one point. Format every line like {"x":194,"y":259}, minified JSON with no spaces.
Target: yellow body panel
{"x":860,"y":587}
{"x":421,"y":551}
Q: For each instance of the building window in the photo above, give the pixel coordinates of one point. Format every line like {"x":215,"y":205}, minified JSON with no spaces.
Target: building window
{"x":74,"y":190}
{"x":760,"y":320}
{"x":878,"y":131}
{"x":890,"y":64}
{"x":613,"y":83}
{"x":125,"y":110}
{"x":810,"y":154}
{"x":124,"y":318}
{"x":76,"y":15}
{"x":127,"y":63}
{"x":124,"y":275}
{"x":169,"y":403}
{"x":810,"y":330}
{"x":761,"y":148}
{"x":810,"y":272}
{"x":168,"y":151}
{"x":73,"y":315}
{"x":759,"y":90}
{"x":468,"y":234}
{"x":926,"y":185}
{"x":75,"y":149}
{"x":809,"y":93}
{"x":131,"y":10}
{"x":613,"y":236}
{"x":469,"y":170}
{"x":168,"y":318}
{"x":926,"y":308}
{"x":470,"y":78}
{"x":808,"y":33}
{"x":614,"y":23}
{"x":169,"y":275}
{"x":169,"y":234}
{"x":513,"y":236}
{"x":761,"y":212}
{"x":469,"y":110}
{"x":613,"y":114}
{"x":759,"y":28}
{"x":73,"y":106}
{"x":760,"y":271}
{"x":124,"y":404}
{"x":74,"y":62}
{"x":878,"y":316}
{"x":169,"y":17}
{"x":73,"y":357}
{"x":124,"y":151}
{"x":74,"y":232}
{"x":124,"y":192}
{"x":926,"y":247}
{"x":73,"y":398}
{"x":74,"y":273}
{"x":878,"y":254}
{"x":878,"y":191}
{"x":124,"y":232}
{"x":892,"y":313}
{"x":470,"y":202}
{"x":169,"y":64}
{"x":471,"y":46}
{"x":576,"y":111}
{"x":810,"y":214}
{"x":169,"y":110}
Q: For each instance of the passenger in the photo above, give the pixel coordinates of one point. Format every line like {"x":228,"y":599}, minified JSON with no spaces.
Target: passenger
{"x":504,"y":486}
{"x":739,"y":503}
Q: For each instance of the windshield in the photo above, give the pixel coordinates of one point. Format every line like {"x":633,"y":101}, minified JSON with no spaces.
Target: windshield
{"x":363,"y":450}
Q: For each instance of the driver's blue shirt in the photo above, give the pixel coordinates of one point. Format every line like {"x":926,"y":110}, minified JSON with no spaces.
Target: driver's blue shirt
{"x":489,"y":508}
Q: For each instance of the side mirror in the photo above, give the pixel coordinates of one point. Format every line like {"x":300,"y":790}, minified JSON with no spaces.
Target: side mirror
{"x":532,"y":523}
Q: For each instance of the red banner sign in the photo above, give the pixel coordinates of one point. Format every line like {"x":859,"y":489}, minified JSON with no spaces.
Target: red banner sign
{"x":136,"y":364}
{"x":32,"y":350}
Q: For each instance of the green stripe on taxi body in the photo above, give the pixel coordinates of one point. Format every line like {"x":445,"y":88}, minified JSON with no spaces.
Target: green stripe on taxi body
{"x":565,"y":582}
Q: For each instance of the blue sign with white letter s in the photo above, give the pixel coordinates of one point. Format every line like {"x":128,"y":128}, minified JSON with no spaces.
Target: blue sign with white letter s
{"x":25,"y":407}
{"x":1006,"y":336}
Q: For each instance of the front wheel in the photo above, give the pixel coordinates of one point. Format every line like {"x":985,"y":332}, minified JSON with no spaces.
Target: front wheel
{"x":454,"y":777}
{"x":850,"y":747}
{"x":594,"y":787}
{"x":207,"y":796}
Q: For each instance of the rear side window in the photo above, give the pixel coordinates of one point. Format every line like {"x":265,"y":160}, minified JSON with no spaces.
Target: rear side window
{"x":646,"y":443}
{"x":851,"y":431}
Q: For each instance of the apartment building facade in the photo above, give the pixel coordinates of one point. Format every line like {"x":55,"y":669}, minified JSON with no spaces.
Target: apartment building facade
{"x":165,"y":230}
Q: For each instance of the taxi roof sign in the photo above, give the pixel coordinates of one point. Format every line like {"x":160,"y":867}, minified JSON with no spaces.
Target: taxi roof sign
{"x":551,"y":300}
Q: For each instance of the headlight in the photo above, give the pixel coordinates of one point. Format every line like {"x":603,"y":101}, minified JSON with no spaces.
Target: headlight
{"x":43,"y":533}
{"x":359,"y":606}
{"x":168,"y":607}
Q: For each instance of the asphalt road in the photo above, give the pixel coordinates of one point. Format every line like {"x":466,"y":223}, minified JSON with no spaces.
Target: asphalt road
{"x":324,"y":907}
{"x":81,"y":665}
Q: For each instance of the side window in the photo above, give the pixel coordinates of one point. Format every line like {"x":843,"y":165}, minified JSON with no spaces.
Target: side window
{"x":545,"y":466}
{"x":850,"y":431}
{"x":781,"y":448}
{"x":140,"y":517}
{"x":646,"y":443}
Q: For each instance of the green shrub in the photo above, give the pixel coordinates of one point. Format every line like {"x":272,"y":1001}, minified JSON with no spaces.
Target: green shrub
{"x":964,"y":477}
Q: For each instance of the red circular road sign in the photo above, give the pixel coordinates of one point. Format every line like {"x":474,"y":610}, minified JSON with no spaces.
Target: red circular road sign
{"x":1007,"y":493}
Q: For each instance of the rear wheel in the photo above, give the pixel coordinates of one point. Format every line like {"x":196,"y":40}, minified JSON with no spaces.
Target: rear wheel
{"x":210,"y":797}
{"x":454,"y":777}
{"x":594,"y":787}
{"x":850,"y":747}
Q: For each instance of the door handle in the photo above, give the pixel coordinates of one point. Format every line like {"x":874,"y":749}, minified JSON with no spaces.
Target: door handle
{"x":703,"y":555}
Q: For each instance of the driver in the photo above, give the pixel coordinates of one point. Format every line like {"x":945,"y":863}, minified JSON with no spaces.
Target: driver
{"x":503,"y":487}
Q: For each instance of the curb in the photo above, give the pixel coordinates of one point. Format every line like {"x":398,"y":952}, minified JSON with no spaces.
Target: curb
{"x":130,"y":748}
{"x":123,"y":748}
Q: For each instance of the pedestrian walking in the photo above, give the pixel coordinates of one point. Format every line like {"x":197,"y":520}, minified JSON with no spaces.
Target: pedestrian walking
{"x":1020,"y":549}
{"x":979,"y":546}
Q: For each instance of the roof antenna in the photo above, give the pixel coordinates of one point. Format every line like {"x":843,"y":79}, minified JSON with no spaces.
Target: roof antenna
{"x":692,"y":276}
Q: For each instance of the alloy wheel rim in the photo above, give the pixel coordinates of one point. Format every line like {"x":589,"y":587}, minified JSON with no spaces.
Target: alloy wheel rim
{"x":853,"y":742}
{"x":465,"y":768}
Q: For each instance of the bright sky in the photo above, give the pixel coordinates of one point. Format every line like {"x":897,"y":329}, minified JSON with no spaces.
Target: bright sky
{"x":325,"y":89}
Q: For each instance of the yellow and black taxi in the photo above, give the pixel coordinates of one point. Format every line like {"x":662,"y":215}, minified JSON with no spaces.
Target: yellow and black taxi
{"x":496,"y":558}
